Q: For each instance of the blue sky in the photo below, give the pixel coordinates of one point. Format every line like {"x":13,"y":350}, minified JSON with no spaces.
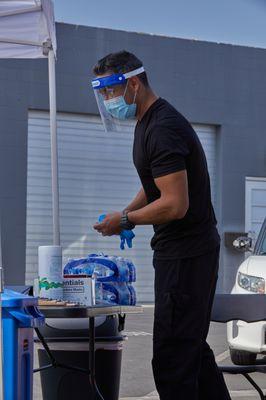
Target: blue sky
{"x":228,"y":21}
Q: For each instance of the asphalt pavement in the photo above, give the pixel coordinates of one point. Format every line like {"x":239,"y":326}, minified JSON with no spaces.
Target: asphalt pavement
{"x":136,"y":377}
{"x":137,"y":381}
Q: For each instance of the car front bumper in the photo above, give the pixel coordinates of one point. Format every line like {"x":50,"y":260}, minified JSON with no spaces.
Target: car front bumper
{"x":246,"y":336}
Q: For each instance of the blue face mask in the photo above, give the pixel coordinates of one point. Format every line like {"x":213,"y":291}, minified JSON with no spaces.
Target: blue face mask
{"x":119,"y":109}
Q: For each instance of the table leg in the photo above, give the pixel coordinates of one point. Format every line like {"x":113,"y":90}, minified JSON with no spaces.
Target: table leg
{"x":96,"y":395}
{"x":54,"y":363}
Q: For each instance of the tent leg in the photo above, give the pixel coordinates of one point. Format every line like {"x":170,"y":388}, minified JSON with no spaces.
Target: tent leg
{"x":54,"y":151}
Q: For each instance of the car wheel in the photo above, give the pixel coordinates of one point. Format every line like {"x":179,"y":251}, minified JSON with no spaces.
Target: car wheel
{"x":242,"y":357}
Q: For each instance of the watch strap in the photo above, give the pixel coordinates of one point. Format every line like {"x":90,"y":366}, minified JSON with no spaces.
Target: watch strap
{"x":125,"y":224}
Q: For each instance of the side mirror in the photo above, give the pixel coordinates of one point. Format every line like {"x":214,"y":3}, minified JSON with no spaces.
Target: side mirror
{"x":243,"y":244}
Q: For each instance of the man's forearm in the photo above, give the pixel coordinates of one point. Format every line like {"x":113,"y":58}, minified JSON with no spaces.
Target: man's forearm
{"x":158,"y":212}
{"x":139,"y":201}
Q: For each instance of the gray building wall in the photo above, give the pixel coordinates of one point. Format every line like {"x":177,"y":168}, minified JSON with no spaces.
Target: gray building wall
{"x":209,"y":83}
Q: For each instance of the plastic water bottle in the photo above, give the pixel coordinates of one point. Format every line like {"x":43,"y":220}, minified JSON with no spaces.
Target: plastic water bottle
{"x":104,"y":296}
{"x":91,"y":265}
{"x":126,"y":270}
{"x":105,"y":268}
{"x":115,"y":293}
{"x":98,"y":270}
{"x":132,"y":270}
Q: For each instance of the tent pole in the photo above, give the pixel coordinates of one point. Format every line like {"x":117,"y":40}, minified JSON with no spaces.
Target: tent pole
{"x":54,"y":151}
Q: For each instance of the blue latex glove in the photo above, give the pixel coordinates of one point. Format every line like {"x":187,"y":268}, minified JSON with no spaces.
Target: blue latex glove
{"x":126,"y":236}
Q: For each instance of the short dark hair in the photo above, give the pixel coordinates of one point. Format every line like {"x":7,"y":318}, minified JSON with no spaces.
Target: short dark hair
{"x":120,"y":62}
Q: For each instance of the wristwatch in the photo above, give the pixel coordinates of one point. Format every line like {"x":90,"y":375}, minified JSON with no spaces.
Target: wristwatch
{"x":125,"y":224}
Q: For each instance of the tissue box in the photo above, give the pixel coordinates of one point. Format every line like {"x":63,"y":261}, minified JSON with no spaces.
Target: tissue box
{"x":79,"y":289}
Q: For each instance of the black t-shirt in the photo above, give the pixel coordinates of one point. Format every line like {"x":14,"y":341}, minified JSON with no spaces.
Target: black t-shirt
{"x":164,"y":143}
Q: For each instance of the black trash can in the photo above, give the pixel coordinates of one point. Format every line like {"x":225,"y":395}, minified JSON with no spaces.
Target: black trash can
{"x":69,"y":344}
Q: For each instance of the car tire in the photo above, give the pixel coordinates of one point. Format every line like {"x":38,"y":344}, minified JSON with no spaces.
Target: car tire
{"x":242,"y":357}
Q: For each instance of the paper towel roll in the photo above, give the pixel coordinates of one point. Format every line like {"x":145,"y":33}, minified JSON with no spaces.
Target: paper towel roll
{"x":50,"y":272}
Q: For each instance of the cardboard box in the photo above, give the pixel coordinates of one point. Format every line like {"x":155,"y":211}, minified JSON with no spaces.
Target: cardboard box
{"x":79,"y":289}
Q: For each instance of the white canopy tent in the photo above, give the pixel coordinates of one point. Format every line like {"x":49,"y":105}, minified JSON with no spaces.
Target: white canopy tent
{"x":27,"y":30}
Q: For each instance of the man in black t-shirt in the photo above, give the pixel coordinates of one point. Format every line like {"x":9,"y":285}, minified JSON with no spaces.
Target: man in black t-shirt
{"x":175,"y":198}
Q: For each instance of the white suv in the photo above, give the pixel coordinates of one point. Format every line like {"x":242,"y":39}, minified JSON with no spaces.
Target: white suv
{"x":247,"y":340}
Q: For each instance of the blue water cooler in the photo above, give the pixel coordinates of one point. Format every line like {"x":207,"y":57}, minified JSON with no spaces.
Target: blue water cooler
{"x":19,"y":315}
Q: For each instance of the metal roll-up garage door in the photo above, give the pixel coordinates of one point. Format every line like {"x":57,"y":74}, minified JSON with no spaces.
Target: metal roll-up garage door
{"x":255,"y":204}
{"x":96,"y":175}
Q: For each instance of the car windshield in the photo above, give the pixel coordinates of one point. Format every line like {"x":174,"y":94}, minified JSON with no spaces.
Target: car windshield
{"x":262,"y":245}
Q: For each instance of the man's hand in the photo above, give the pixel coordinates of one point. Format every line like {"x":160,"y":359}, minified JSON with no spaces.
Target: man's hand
{"x":110,"y":225}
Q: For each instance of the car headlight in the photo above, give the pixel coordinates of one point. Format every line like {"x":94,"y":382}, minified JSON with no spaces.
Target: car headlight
{"x":251,"y":283}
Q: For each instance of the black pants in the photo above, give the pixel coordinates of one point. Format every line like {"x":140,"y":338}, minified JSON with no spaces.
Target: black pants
{"x":184,"y":366}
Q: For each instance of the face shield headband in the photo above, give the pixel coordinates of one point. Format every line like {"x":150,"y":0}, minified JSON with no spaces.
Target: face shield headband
{"x":115,"y":79}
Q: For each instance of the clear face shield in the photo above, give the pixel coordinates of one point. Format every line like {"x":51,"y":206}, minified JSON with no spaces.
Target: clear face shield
{"x":110,"y":96}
